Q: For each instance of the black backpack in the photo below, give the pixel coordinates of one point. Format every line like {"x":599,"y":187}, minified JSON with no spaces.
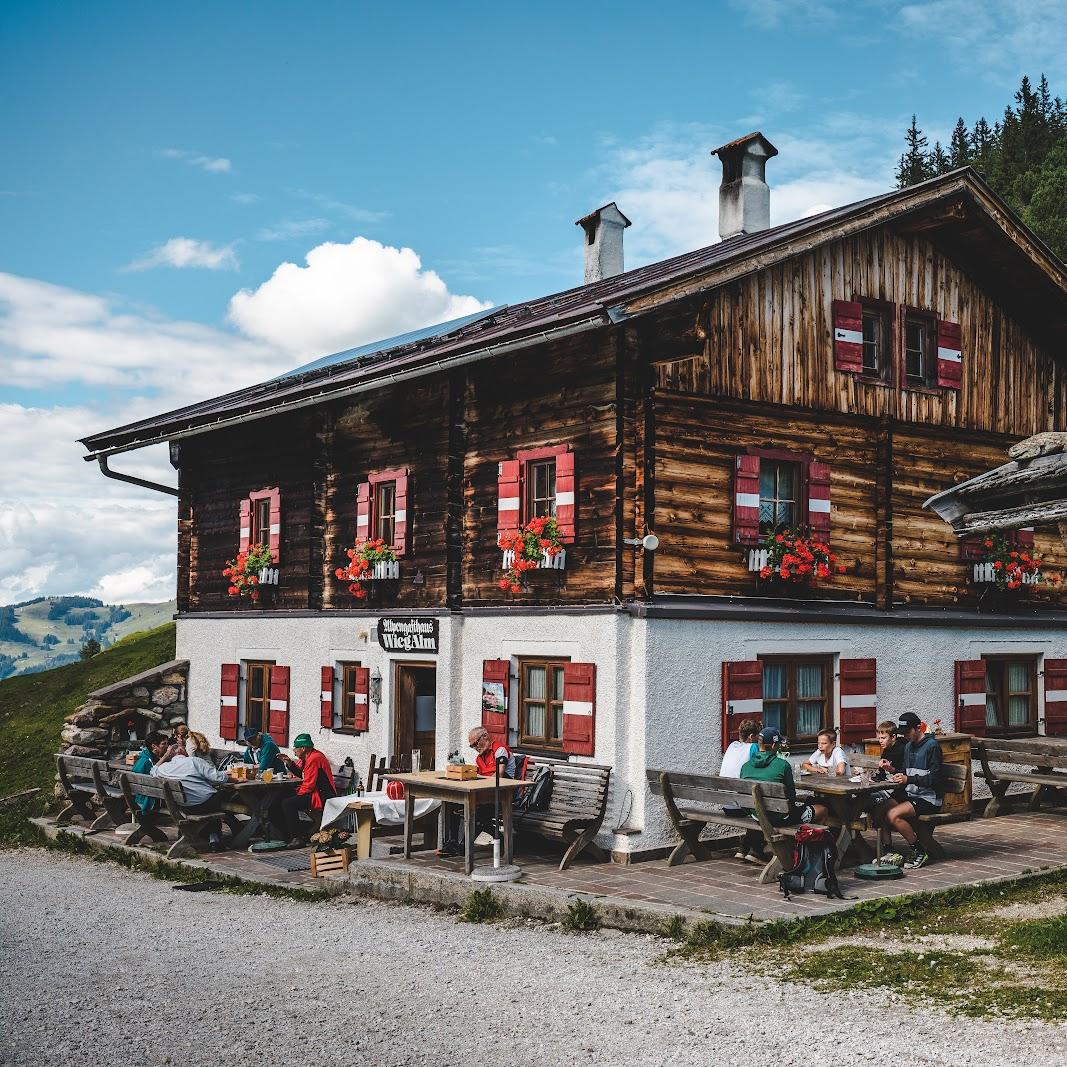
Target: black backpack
{"x":814,"y":864}
{"x":536,"y":795}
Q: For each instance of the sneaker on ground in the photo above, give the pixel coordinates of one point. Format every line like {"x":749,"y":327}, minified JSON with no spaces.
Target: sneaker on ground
{"x":918,"y":859}
{"x":755,"y":857}
{"x":739,"y":854}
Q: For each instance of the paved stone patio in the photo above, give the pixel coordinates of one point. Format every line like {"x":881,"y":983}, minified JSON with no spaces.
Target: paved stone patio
{"x":721,"y":888}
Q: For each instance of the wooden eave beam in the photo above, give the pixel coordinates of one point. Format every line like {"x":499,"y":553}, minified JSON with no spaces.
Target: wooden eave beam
{"x":1048,"y":513}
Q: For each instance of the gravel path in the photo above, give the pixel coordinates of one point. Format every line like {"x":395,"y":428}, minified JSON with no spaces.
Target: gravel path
{"x":369,"y":984}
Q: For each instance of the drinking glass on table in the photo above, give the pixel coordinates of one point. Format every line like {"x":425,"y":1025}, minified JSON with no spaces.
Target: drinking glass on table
{"x":268,"y":775}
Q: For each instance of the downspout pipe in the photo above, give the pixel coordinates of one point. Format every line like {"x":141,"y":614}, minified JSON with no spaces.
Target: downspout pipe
{"x":170,"y":490}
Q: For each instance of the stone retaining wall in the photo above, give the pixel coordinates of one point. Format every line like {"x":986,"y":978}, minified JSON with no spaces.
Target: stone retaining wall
{"x":152,"y":700}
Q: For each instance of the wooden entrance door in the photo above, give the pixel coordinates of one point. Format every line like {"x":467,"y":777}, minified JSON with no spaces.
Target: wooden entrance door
{"x":415,"y":712}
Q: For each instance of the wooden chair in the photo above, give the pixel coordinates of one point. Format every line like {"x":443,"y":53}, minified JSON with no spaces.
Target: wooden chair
{"x":576,"y":806}
{"x":379,"y":768}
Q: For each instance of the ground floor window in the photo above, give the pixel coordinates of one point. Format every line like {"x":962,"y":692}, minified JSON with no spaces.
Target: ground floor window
{"x":541,"y":702}
{"x":1011,"y":695}
{"x":257,"y":695}
{"x":348,"y":695}
{"x":796,"y":696}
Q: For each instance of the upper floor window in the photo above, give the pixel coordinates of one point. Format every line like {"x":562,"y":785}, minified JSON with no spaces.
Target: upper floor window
{"x":920,"y":349}
{"x":384,"y":510}
{"x":540,"y":489}
{"x":779,"y":485}
{"x":260,"y":522}
{"x":876,"y":334}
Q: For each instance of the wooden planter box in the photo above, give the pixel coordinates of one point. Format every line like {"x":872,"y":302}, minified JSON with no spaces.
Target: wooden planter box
{"x":465,"y":772}
{"x":335,"y":861}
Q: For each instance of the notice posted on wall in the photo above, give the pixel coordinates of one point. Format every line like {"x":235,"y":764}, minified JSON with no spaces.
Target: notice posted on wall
{"x":409,"y":635}
{"x":493,"y":697}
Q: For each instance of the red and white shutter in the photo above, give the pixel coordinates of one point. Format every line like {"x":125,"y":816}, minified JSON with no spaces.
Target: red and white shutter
{"x":819,"y":499}
{"x":363,"y":511}
{"x":859,"y":702}
{"x":972,"y":547}
{"x":274,"y":532}
{"x":566,"y":499}
{"x":746,"y":500}
{"x":579,"y":708}
{"x":494,"y":672}
{"x":1024,"y":538}
{"x":509,"y":493}
{"x":848,"y":336}
{"x":231,"y":676}
{"x":326,"y":699}
{"x":949,"y":354}
{"x":361,"y":700}
{"x":1055,"y":697}
{"x":278,"y":715}
{"x":245,"y":539}
{"x":742,"y":696}
{"x":400,"y":521}
{"x":970,"y":697}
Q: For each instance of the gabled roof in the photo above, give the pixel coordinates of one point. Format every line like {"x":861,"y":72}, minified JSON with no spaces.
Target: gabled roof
{"x":959,"y":207}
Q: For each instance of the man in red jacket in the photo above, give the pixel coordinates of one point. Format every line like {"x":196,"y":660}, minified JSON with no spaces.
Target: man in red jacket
{"x":316,"y":787}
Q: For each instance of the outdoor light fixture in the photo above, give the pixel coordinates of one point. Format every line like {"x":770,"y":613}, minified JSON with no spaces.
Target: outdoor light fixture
{"x":376,"y":688}
{"x":650,"y":542}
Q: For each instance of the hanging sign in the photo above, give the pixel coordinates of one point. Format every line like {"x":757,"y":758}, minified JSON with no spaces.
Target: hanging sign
{"x":409,"y":635}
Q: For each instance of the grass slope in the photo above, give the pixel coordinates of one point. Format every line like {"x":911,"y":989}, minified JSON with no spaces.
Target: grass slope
{"x":32,"y":709}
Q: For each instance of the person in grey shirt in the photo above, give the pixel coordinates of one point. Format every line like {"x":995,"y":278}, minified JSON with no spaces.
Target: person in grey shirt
{"x":199,"y":778}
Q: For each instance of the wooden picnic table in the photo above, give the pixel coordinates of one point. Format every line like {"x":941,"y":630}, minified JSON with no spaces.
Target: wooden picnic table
{"x":846,"y":800}
{"x":469,"y":794}
{"x":254,"y":799}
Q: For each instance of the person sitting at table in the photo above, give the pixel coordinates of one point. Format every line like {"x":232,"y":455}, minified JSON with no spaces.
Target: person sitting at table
{"x":316,"y":787}
{"x":742,"y":750}
{"x":199,"y":778}
{"x":155,"y":749}
{"x":180,"y":736}
{"x":923,"y":779}
{"x":768,"y":766}
{"x":828,"y":758}
{"x":261,"y":751}
{"x":891,"y":760}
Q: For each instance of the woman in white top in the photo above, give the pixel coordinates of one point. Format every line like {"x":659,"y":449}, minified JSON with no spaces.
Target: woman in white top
{"x":828,"y":758}
{"x":740,"y":751}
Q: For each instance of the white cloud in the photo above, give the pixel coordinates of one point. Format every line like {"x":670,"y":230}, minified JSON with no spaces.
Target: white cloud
{"x":288,"y":229}
{"x":348,"y":294}
{"x":339,"y":208}
{"x":185,"y":252}
{"x":245,"y":198}
{"x":1002,"y":38}
{"x":211,"y":164}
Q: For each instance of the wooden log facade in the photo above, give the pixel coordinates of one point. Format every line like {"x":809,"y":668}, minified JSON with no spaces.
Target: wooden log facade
{"x":656,"y":415}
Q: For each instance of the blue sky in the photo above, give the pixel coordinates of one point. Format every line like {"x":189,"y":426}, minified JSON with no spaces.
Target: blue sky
{"x":198,"y":196}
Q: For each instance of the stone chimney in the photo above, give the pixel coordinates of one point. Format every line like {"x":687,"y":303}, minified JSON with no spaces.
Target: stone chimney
{"x":744,"y":196}
{"x":603,"y":242}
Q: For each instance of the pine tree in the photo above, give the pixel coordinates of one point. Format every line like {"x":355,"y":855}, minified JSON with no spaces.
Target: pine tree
{"x":913,"y":166}
{"x":959,"y":148}
{"x":939,"y":162}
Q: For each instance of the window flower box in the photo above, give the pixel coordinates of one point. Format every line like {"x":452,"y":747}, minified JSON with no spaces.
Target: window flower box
{"x":557,"y":562}
{"x":268,"y":576}
{"x":368,"y":561}
{"x":985,"y":572}
{"x":788,"y":556}
{"x":757,"y":559}
{"x":384,"y":570}
{"x":1008,"y":565}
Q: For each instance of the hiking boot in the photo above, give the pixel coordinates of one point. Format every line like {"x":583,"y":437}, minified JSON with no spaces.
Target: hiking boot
{"x":918,"y":859}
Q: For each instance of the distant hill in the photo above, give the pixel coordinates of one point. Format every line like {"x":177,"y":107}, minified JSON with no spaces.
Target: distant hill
{"x":40,"y":634}
{"x":32,"y":710}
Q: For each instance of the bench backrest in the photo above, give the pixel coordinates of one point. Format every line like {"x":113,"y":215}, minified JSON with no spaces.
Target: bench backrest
{"x":1024,"y":753}
{"x":711,"y":789}
{"x":579,"y":790}
{"x":145,"y":785}
{"x":955,"y":774}
{"x":81,"y":771}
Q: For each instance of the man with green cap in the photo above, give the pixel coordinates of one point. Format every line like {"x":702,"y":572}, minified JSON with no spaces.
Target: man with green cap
{"x":316,"y":787}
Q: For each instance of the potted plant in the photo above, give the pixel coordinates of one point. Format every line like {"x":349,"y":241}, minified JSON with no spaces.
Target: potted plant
{"x":1007,"y":565}
{"x":243,"y":572}
{"x":537,"y":545}
{"x":329,"y":853}
{"x":367,"y":560}
{"x":798,"y":559}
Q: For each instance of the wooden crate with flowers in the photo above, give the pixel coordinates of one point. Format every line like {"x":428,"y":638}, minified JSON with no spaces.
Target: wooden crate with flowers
{"x":329,"y":853}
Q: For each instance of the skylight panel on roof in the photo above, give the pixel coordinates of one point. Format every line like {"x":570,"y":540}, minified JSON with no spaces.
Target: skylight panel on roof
{"x":440,"y":329}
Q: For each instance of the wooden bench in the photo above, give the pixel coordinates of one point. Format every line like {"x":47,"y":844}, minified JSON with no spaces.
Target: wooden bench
{"x":86,"y":782}
{"x":193,"y":830}
{"x":576,"y":807}
{"x":1032,"y":761}
{"x":954,"y":781}
{"x":690,"y":798}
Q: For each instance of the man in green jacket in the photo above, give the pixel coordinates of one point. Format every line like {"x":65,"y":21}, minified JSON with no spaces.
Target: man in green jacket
{"x":262,"y":751}
{"x":152,"y":752}
{"x":768,"y":766}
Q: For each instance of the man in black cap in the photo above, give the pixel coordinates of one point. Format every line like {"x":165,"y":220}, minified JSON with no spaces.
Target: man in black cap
{"x":768,"y":766}
{"x":923,"y":781}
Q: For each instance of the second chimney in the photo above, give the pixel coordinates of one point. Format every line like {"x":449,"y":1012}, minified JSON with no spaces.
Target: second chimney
{"x":603,"y":242}
{"x":744,"y":196}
